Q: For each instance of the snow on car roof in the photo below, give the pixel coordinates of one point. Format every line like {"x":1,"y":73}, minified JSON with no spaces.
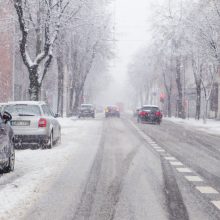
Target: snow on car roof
{"x":3,"y":103}
{"x":26,"y":103}
{"x":150,"y":106}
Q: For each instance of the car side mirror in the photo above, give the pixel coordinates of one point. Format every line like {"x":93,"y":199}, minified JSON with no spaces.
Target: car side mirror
{"x":6,"y":117}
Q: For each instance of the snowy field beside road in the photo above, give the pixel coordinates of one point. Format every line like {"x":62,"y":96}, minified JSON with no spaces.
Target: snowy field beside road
{"x":211,"y":127}
{"x":35,"y":170}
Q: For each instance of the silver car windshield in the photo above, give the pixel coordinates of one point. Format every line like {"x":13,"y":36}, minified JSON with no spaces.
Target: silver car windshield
{"x":23,"y":110}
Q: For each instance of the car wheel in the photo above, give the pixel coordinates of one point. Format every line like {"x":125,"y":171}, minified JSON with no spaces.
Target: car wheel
{"x":11,"y":163}
{"x":50,"y":144}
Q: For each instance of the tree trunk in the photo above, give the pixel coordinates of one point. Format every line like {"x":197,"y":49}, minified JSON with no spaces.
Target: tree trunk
{"x":169,"y":105}
{"x":60,"y":84}
{"x":206,"y":112}
{"x":77,"y":100}
{"x":180,"y":108}
{"x":71,"y":98}
{"x":198,"y":101}
{"x":34,"y":88}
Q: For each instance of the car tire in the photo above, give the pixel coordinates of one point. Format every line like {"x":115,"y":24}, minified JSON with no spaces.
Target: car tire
{"x":11,"y":163}
{"x":50,"y":144}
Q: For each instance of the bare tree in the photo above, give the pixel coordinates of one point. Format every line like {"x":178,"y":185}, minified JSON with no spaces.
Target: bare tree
{"x":47,"y":19}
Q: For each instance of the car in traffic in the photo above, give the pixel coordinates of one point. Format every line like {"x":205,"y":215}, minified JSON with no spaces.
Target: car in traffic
{"x":149,"y":114}
{"x":34,"y":124}
{"x":7,"y":152}
{"x":112,"y":111}
{"x":86,"y":110}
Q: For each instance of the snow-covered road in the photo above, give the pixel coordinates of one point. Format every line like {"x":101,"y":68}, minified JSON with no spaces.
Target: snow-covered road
{"x":115,"y":169}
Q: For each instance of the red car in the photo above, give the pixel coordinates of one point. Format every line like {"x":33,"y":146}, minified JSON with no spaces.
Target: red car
{"x":149,"y":114}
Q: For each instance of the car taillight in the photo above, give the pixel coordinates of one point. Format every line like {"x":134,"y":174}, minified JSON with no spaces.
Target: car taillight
{"x":143,"y":113}
{"x":42,"y":123}
{"x":158,"y":114}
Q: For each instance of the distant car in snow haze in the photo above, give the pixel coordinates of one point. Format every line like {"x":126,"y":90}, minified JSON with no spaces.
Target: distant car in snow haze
{"x":112,"y":111}
{"x":33,"y":124}
{"x":86,"y":110}
{"x":7,"y":152}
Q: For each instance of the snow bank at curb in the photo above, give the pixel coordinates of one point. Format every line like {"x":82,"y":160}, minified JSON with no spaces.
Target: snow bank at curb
{"x":35,"y":170}
{"x":211,"y":127}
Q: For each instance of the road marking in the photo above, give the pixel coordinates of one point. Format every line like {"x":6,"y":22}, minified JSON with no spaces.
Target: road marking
{"x":176,"y":163}
{"x":193,"y":178}
{"x":157,"y":147}
{"x":154,"y":144}
{"x":170,"y":158}
{"x":158,"y":150}
{"x":184,"y":170}
{"x":207,"y":189}
{"x":216,"y":203}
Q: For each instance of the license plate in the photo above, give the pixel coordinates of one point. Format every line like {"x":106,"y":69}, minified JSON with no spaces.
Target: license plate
{"x":20,"y":123}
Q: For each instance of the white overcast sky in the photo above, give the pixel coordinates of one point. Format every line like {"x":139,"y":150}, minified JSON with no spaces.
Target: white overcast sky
{"x":133,"y":19}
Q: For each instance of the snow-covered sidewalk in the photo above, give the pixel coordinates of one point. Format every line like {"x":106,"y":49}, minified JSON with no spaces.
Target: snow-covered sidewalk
{"x":211,"y":127}
{"x":36,"y":170}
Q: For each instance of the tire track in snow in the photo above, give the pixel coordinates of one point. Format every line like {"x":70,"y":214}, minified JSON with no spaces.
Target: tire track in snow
{"x":174,"y":200}
{"x":84,"y":208}
{"x":107,"y":210}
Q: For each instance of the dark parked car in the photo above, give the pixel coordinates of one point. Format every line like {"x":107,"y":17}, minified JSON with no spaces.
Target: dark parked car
{"x":112,"y":111}
{"x":150,"y":114}
{"x":7,"y":152}
{"x":86,"y":110}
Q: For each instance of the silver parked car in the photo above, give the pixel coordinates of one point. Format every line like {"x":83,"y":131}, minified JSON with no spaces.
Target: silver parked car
{"x":33,"y":123}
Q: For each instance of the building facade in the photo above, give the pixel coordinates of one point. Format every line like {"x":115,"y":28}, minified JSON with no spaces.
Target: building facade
{"x":6,"y":52}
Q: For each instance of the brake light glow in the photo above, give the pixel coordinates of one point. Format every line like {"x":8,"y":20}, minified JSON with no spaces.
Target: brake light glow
{"x":143,"y":113}
{"x":42,"y":123}
{"x":158,"y":114}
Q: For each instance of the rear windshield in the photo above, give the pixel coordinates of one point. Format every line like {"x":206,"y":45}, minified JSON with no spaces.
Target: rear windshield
{"x":112,"y":107}
{"x":23,"y":110}
{"x":150,"y":108}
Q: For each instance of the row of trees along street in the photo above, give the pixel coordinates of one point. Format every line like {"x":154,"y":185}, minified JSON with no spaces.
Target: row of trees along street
{"x":182,"y":59}
{"x":62,"y":43}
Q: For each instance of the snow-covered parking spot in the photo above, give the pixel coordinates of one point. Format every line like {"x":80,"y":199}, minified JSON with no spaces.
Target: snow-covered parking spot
{"x":211,"y":127}
{"x":35,"y":170}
